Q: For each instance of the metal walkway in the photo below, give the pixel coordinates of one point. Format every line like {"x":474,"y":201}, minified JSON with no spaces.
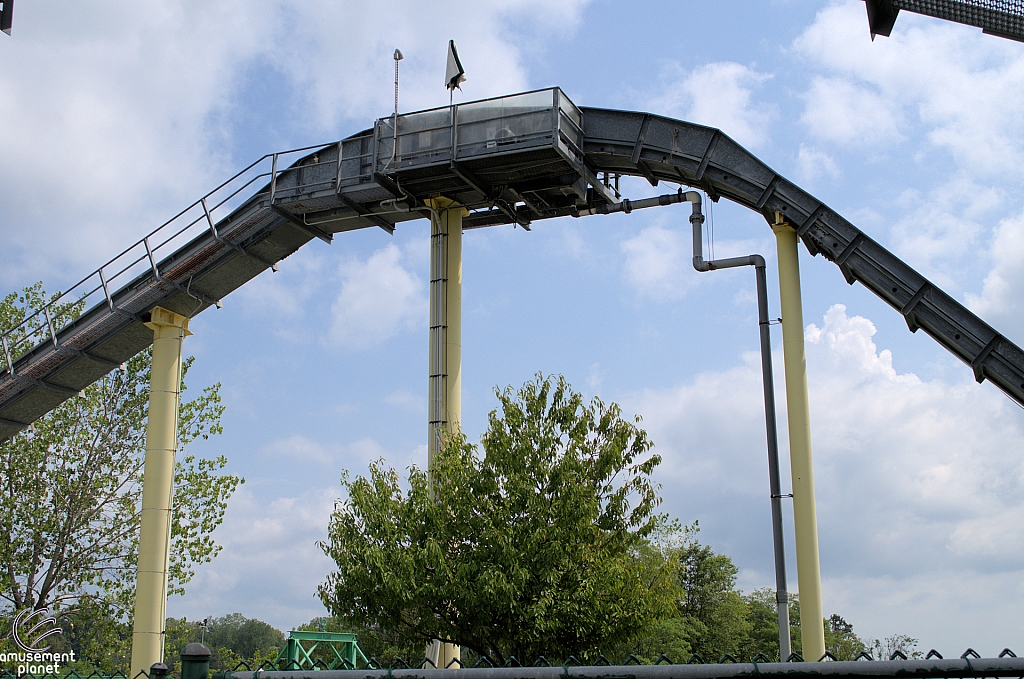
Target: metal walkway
{"x":514,"y":159}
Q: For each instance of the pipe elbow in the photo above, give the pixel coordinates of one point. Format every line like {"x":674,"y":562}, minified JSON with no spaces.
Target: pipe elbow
{"x":700,"y":265}
{"x":757,"y":261}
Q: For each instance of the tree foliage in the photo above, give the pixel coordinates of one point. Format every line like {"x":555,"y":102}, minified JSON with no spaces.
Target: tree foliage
{"x":233,"y":638}
{"x":526,"y":545}
{"x":70,"y":494}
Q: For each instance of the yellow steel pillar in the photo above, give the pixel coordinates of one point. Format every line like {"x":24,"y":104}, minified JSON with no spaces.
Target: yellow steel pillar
{"x":445,"y":404}
{"x":169,"y":330}
{"x":805,"y":518}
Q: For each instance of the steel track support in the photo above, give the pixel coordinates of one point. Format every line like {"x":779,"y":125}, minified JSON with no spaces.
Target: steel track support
{"x":445,"y":404}
{"x":169,"y":331}
{"x":805,"y":520}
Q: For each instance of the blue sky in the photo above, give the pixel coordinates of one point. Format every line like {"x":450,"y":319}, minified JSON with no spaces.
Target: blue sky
{"x":118,"y":115}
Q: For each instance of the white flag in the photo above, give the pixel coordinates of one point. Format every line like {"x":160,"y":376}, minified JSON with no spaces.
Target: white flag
{"x":455,"y":75}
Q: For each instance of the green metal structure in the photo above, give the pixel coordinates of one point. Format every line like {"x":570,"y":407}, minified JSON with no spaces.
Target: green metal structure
{"x":341,"y":648}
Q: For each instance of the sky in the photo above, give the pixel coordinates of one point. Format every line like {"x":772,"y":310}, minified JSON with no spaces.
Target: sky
{"x":118,"y":114}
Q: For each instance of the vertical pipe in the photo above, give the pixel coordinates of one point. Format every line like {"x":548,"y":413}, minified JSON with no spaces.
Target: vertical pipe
{"x":445,"y":405}
{"x":804,"y":514}
{"x":774,"y":482}
{"x":169,"y":331}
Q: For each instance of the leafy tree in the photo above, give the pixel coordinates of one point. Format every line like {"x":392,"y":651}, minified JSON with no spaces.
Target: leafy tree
{"x":840,"y":639}
{"x":233,"y":639}
{"x":762,"y":615}
{"x":717,"y":611}
{"x":530,"y":548}
{"x":70,"y":495}
{"x":884,"y":649}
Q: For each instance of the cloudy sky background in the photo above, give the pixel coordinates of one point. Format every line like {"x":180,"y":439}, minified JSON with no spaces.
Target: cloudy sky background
{"x":118,"y":114}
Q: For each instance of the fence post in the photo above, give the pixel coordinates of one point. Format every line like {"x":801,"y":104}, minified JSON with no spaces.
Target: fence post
{"x":195,"y":662}
{"x":158,"y":670}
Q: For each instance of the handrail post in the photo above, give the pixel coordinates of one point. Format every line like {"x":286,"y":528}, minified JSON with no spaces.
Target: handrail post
{"x":273,"y":179}
{"x":7,"y":354}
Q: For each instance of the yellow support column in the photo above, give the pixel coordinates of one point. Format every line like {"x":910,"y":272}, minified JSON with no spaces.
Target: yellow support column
{"x":805,"y":518}
{"x":169,"y":330}
{"x":445,"y":403}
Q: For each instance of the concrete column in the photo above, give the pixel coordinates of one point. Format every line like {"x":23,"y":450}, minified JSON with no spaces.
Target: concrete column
{"x":169,"y":330}
{"x":805,"y":517}
{"x":445,"y":400}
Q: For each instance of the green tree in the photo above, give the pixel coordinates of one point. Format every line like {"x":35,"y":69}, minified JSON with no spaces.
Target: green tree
{"x":233,"y":639}
{"x":763,"y":633}
{"x":530,"y":548}
{"x":717,"y":612}
{"x":884,"y":649}
{"x":840,"y":639}
{"x":70,"y":495}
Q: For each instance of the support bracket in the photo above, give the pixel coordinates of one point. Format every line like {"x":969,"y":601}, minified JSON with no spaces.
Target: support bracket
{"x":366,"y":214}
{"x":308,"y":228}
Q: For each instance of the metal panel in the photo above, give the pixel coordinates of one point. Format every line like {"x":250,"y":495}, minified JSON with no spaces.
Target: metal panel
{"x":1004,"y":18}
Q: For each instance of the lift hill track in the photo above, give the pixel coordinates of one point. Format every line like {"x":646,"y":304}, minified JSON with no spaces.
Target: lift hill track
{"x":514,"y":159}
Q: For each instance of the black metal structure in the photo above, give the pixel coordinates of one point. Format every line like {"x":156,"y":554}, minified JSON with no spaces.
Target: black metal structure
{"x":6,"y":15}
{"x":1004,"y":18}
{"x":511,"y":160}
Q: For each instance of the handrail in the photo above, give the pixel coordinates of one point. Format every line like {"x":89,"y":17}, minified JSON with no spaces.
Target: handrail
{"x":33,"y":324}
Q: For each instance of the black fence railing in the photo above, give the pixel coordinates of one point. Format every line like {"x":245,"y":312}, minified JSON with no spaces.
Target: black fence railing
{"x":898,"y":666}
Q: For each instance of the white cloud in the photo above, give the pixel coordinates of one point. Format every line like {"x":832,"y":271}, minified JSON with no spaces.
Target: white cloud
{"x":659,"y":260}
{"x":300,"y":448}
{"x":719,"y":95}
{"x":378,"y":299}
{"x":940,"y":231}
{"x":116,"y":116}
{"x":1002,"y":297}
{"x":657,"y":263}
{"x":966,"y":88}
{"x":265,"y":542}
{"x":930,"y":469}
{"x":812,"y":163}
{"x":845,"y":112}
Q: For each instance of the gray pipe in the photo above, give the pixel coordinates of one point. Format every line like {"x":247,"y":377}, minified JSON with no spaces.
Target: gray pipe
{"x":768,"y":383}
{"x":767,"y":380}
